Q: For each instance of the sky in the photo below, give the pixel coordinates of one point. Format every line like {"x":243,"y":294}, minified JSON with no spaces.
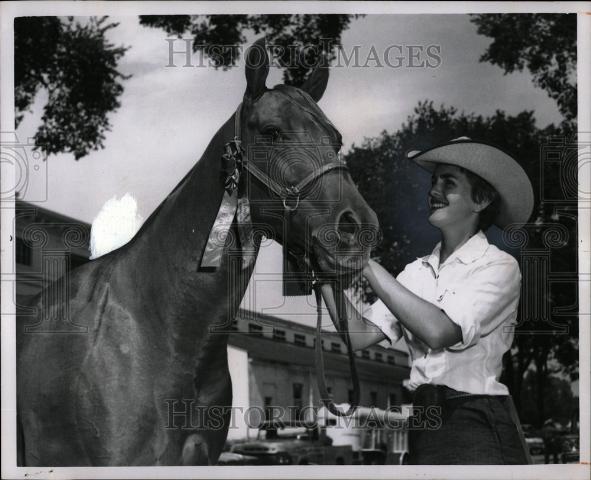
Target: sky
{"x":169,"y":114}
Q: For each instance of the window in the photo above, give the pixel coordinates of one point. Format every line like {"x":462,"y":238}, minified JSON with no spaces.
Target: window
{"x":298,"y":400}
{"x":23,"y":252}
{"x":391,"y":400}
{"x":391,"y":359}
{"x":350,"y":396}
{"x":378,"y":357}
{"x":365,"y":354}
{"x":279,"y":335}
{"x":373,"y":399}
{"x":255,"y":329}
{"x":335,"y":347}
{"x":268,"y":408}
{"x":299,"y":339}
{"x":234,"y":325}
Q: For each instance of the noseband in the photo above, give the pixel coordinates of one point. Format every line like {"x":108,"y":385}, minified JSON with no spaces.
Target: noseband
{"x":234,"y":162}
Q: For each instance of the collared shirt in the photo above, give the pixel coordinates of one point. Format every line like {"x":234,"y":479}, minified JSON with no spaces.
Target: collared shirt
{"x":478,"y":288}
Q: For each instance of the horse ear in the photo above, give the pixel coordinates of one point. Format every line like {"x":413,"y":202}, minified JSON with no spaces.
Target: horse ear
{"x":315,"y":84}
{"x":257,"y":69}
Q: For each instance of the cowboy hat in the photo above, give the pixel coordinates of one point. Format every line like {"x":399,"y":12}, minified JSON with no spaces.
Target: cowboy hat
{"x":493,"y":165}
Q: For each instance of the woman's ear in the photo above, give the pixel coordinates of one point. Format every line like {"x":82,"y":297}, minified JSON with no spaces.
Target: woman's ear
{"x":481,"y":206}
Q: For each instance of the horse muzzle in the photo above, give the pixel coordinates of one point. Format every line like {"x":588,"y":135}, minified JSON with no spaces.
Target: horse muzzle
{"x":342,"y":266}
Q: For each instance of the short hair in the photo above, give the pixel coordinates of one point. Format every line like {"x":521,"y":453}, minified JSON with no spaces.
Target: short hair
{"x":483,"y":191}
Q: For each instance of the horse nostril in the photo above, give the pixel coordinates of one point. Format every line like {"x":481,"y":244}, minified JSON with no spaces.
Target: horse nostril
{"x":348,"y":223}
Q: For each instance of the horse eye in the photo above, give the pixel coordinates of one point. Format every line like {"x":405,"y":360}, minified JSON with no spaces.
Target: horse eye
{"x":271,"y":131}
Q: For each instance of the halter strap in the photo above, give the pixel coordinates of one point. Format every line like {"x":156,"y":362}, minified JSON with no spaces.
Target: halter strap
{"x":341,"y":317}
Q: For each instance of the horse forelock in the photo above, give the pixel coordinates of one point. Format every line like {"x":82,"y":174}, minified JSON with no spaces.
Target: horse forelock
{"x":306,"y":103}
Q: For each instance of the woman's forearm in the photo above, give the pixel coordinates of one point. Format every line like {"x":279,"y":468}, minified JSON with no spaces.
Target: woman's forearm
{"x":422,"y":318}
{"x":361,"y":332}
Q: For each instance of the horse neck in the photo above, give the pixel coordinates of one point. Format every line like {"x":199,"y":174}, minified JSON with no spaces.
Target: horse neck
{"x":169,"y":247}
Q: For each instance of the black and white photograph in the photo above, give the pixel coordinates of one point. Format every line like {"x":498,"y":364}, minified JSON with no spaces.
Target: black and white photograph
{"x":288,"y":239}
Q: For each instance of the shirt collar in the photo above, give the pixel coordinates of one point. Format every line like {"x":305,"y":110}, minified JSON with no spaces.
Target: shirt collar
{"x":471,"y":251}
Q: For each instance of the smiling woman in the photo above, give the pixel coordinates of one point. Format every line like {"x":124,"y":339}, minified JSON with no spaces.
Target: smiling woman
{"x":456,"y":306}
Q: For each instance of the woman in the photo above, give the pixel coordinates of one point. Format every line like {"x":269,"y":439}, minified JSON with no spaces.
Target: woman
{"x":456,"y":308}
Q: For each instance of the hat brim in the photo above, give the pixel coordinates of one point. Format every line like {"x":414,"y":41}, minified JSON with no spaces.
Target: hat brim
{"x":493,"y":165}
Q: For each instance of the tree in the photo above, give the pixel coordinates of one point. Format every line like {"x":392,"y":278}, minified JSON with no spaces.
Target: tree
{"x":396,"y":189}
{"x":545,"y":44}
{"x":560,"y":400}
{"x":220,"y":37}
{"x":77,"y":67}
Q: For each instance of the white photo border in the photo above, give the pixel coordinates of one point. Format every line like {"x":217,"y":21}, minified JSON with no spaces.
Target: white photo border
{"x":10,"y":10}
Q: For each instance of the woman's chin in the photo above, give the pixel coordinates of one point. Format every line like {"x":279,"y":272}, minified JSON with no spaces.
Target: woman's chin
{"x":435,"y":219}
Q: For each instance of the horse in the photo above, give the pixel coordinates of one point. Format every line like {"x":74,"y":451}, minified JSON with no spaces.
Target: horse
{"x":143,"y":316}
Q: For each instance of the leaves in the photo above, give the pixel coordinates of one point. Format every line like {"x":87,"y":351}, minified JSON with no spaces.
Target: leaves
{"x":77,"y":67}
{"x":545,"y":44}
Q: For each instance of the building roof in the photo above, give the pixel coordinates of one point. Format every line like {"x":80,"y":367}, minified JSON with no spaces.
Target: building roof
{"x":262,"y":348}
{"x":277,"y":322}
{"x":45,"y":214}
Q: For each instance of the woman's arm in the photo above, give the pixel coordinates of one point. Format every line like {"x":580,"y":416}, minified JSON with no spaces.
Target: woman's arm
{"x":362,"y":332}
{"x":422,"y":318}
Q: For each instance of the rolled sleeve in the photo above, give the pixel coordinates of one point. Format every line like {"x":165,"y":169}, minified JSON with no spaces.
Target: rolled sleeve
{"x":490,"y":298}
{"x":382,"y":317}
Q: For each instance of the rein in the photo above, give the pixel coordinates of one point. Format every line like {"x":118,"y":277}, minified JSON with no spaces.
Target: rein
{"x":234,"y":162}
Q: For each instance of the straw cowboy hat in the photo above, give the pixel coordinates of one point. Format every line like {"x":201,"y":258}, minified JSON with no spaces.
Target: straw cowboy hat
{"x":493,"y":165}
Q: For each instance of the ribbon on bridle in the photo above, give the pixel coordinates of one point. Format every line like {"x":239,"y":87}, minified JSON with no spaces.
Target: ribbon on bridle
{"x":232,"y":206}
{"x":235,"y":206}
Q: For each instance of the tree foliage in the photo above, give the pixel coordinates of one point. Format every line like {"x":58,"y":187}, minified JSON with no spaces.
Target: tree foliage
{"x":561,"y":404}
{"x":545,"y":44}
{"x":77,"y":67}
{"x":220,"y":37}
{"x":396,"y":189}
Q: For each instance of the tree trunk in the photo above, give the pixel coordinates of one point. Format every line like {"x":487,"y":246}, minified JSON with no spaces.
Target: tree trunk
{"x":541,"y":377}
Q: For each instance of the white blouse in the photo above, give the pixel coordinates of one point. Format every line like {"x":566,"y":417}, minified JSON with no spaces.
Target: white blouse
{"x":478,"y":288}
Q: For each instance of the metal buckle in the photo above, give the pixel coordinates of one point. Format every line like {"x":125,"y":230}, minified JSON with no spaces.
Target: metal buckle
{"x":291,"y":192}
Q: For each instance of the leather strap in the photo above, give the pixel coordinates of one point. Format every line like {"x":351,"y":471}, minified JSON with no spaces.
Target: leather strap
{"x":319,"y":356}
{"x":285,"y":192}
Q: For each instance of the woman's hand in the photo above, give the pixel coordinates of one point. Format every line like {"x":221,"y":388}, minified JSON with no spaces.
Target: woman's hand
{"x":371,"y":271}
{"x":367,"y":270}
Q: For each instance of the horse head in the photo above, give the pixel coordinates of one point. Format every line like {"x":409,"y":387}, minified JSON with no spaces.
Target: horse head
{"x":302,"y":191}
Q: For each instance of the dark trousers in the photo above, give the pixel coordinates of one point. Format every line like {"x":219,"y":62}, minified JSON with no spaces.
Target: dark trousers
{"x":455,"y":428}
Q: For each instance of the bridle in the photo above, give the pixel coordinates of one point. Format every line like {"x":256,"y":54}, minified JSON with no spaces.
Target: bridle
{"x":234,"y":163}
